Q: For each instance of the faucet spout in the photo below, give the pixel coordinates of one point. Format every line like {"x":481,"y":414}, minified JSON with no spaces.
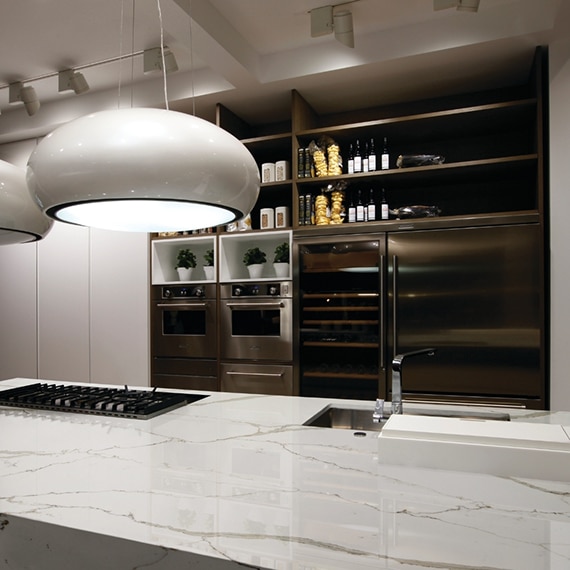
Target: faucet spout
{"x":397,"y":364}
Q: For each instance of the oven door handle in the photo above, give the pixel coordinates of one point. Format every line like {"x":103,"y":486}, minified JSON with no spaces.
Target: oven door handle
{"x":276,"y":374}
{"x":279,"y":305}
{"x":189,"y":306}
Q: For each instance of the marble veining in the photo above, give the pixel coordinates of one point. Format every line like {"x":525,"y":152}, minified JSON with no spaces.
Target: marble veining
{"x":236,"y":481}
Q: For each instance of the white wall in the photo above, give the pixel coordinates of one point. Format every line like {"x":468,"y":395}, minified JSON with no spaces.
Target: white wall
{"x":560,"y":210}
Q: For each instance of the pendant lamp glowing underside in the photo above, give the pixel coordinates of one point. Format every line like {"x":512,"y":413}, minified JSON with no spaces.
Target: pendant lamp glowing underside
{"x":20,"y":219}
{"x":143,"y":170}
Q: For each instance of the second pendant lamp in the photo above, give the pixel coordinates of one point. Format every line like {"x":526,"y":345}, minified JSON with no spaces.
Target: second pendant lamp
{"x":20,"y":219}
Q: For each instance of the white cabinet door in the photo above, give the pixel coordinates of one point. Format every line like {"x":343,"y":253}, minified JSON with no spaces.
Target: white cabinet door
{"x":119,"y":308}
{"x":18,"y":294}
{"x":63,"y":304}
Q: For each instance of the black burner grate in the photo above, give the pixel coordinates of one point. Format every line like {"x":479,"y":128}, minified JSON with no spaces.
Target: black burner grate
{"x":122,"y":402}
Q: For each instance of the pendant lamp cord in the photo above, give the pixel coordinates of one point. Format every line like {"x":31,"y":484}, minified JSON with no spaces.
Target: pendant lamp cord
{"x":192,"y":94}
{"x":162,"y":55}
{"x":121,"y":30}
{"x":133,"y":59}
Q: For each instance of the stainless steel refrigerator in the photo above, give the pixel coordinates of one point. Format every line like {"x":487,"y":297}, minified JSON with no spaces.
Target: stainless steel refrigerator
{"x":475,"y":294}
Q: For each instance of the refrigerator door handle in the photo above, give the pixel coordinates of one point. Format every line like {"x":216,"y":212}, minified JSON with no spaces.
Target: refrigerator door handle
{"x":394,"y":304}
{"x":382,"y":330}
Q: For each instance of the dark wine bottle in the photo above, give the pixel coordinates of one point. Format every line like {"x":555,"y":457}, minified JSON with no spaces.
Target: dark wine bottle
{"x":371,"y":156}
{"x":359,"y":208}
{"x":350,"y":159}
{"x":357,"y":158}
{"x":371,"y":207}
{"x":351,"y":211}
{"x":365,"y":158}
{"x":385,"y":162}
{"x":384,"y":208}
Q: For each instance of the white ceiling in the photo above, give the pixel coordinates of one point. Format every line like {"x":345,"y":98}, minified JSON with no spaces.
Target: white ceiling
{"x":249,"y":54}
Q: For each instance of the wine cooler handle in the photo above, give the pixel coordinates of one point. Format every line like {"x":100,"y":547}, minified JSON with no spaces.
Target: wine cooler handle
{"x":394,"y":304}
{"x":383,"y":299}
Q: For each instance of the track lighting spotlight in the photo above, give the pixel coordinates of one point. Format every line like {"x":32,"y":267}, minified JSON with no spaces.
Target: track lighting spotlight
{"x":152,"y":60}
{"x":461,"y":5}
{"x":72,"y":80}
{"x":325,"y":21}
{"x":26,"y":95}
{"x":343,"y":30}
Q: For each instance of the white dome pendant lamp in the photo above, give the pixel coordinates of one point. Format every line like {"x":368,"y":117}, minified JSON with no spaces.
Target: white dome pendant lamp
{"x":143,"y":169}
{"x":20,"y":219}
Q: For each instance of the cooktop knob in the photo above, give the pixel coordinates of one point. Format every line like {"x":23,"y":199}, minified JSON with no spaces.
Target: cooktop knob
{"x":198,"y":292}
{"x":166,"y":293}
{"x":273,"y":290}
{"x":238,"y":291}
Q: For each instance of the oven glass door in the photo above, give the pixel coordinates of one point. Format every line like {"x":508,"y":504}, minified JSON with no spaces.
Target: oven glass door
{"x":257,"y":329}
{"x":185,"y":329}
{"x":183,"y":321}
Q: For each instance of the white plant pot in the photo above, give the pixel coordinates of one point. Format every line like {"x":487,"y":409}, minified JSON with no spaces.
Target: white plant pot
{"x":184,"y":273}
{"x":255,"y":270}
{"x":281,"y":269}
{"x":210,"y":272}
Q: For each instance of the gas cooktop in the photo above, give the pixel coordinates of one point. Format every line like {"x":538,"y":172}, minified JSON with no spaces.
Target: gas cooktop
{"x":103,"y":401}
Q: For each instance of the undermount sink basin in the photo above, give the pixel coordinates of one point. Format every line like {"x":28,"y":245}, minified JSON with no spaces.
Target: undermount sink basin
{"x":359,"y":419}
{"x":345,"y":418}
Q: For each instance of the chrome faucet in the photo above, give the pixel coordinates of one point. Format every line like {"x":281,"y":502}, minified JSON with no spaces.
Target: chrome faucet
{"x":397,"y":363}
{"x":378,"y":414}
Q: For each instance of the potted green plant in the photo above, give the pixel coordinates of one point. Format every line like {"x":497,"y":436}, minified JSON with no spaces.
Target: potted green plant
{"x":281,"y":260}
{"x":254,"y":259}
{"x":209,"y":269}
{"x":185,"y":262}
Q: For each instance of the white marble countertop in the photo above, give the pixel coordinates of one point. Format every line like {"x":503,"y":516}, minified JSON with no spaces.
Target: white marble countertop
{"x":237,"y":481}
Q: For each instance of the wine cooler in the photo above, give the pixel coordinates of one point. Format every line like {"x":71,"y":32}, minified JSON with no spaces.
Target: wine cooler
{"x":340,"y":318}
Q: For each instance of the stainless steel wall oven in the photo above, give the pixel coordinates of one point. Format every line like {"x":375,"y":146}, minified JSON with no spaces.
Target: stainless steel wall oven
{"x":256,"y":337}
{"x":184,"y":336}
{"x":256,"y":321}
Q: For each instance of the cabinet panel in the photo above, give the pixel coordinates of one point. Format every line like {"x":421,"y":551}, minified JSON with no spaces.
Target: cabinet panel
{"x":119,"y":317}
{"x":63,"y":304}
{"x":18,"y":306}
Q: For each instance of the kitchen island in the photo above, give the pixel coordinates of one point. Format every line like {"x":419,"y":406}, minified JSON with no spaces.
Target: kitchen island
{"x":237,"y":480}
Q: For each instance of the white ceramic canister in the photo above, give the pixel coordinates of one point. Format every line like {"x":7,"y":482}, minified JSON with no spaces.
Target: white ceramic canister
{"x":282,"y":170}
{"x":282,"y":217}
{"x":267,"y":218}
{"x":268,"y":172}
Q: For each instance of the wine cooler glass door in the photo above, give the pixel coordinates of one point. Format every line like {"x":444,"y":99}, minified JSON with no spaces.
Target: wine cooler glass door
{"x":341,"y":318}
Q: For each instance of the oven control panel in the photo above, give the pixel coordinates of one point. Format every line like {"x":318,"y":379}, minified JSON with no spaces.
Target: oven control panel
{"x":281,"y":289}
{"x":184,"y":292}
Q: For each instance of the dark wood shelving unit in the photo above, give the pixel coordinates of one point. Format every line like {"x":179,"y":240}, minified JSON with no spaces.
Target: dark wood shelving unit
{"x":494,"y":174}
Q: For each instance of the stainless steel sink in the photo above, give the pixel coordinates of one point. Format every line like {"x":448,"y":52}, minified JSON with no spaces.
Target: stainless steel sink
{"x":358,"y":419}
{"x":345,"y":418}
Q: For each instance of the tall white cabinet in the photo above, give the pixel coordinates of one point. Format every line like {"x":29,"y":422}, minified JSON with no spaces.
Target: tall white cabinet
{"x":18,"y":311}
{"x":63,"y":304}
